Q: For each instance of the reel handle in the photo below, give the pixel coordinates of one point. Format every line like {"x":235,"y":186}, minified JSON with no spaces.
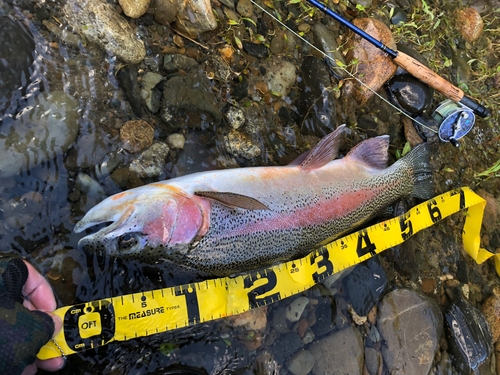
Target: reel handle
{"x":420,"y":71}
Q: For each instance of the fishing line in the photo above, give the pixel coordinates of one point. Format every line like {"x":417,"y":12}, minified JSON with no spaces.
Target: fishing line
{"x":341,"y":67}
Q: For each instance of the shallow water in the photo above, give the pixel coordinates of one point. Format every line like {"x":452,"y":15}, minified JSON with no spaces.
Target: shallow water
{"x":42,"y":201}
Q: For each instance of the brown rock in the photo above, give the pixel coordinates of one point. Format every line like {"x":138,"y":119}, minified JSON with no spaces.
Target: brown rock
{"x":136,"y":135}
{"x":491,"y":311}
{"x":303,"y":324}
{"x":134,"y":8}
{"x":166,"y":11}
{"x":411,"y":134}
{"x":255,"y":320}
{"x":497,"y":357}
{"x":374,"y":68}
{"x":195,"y":17}
{"x":470,"y":24}
{"x":428,"y":285}
{"x":490,"y":211}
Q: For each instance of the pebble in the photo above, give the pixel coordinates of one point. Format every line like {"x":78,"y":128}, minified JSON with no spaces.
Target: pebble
{"x":278,"y":44}
{"x":280,"y":77}
{"x":341,"y":352}
{"x":255,"y":320}
{"x":304,"y":27}
{"x":296,"y":308}
{"x":257,"y":50}
{"x":302,"y":328}
{"x":90,"y":187}
{"x":398,"y":16}
{"x":491,"y":311}
{"x":279,"y":320}
{"x":152,"y":96}
{"x":99,"y":23}
{"x":308,"y":338}
{"x":176,"y":141}
{"x":20,"y":211}
{"x":134,"y":8}
{"x":245,"y":8}
{"x":301,"y":363}
{"x":195,"y":17}
{"x":240,"y":145}
{"x":470,"y":24}
{"x":409,"y":93}
{"x":136,"y":135}
{"x":172,"y":63}
{"x":151,"y":162}
{"x":165,"y":11}
{"x":327,"y":43}
{"x":373,"y":360}
{"x":235,"y":117}
{"x":405,"y":316}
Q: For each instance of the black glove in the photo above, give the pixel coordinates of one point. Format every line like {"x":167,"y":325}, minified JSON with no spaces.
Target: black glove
{"x":22,"y":331}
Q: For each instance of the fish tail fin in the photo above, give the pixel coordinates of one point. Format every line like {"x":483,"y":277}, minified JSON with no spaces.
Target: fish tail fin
{"x":418,"y":162}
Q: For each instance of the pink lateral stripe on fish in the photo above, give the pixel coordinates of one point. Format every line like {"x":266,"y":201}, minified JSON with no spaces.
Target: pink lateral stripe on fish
{"x":229,"y":221}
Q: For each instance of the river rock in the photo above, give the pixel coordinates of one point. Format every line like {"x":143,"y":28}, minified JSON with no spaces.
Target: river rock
{"x":326,"y":43}
{"x":235,"y":117}
{"x":411,"y":326}
{"x":20,"y":211}
{"x":17,"y":47}
{"x":374,"y":67}
{"x":280,"y":77}
{"x":189,"y":101}
{"x":176,"y":141}
{"x":165,"y":11}
{"x":410,"y":94}
{"x":99,"y":23}
{"x":152,"y":95}
{"x":470,"y":24}
{"x":296,"y":308}
{"x":172,"y":63}
{"x":301,"y":363}
{"x":136,"y":135}
{"x":151,"y":162}
{"x":134,"y":8}
{"x":245,"y":8}
{"x":257,"y":50}
{"x":331,"y":353}
{"x":240,"y":145}
{"x":195,"y":17}
{"x":45,"y":129}
{"x":255,"y":320}
{"x":490,"y":211}
{"x":90,"y":187}
{"x":491,"y":311}
{"x":316,"y":102}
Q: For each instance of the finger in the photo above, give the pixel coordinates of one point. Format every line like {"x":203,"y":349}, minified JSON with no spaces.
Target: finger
{"x":52,"y":364}
{"x":38,"y":291}
{"x":57,"y":323}
{"x":29,"y":370}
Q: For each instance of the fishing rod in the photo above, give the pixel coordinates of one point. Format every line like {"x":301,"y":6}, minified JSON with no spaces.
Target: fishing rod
{"x":412,"y":66}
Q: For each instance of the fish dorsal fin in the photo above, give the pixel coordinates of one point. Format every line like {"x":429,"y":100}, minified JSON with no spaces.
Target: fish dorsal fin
{"x":233,"y":200}
{"x":372,"y":152}
{"x":325,"y":151}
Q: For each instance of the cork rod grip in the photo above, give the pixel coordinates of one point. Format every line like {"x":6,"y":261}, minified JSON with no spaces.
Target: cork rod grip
{"x":423,"y":73}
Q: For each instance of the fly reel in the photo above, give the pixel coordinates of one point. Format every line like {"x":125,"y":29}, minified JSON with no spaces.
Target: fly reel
{"x":450,"y":121}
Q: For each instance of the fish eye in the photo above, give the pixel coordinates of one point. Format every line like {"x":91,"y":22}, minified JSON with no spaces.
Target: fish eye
{"x":127,"y":242}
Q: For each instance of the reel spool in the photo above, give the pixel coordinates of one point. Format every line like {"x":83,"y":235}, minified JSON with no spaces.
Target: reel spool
{"x":450,"y":121}
{"x":455,"y":121}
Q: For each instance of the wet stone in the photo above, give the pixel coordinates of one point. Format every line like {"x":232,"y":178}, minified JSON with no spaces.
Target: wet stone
{"x":279,"y":320}
{"x":325,"y":313}
{"x":151,"y":162}
{"x":176,"y":141}
{"x":288,"y":344}
{"x":255,"y":320}
{"x":20,"y":211}
{"x":240,"y":145}
{"x":165,"y":11}
{"x":491,"y":311}
{"x":257,"y":50}
{"x":134,"y":8}
{"x":326,"y":42}
{"x":245,"y":8}
{"x":470,"y":24}
{"x":332,"y":351}
{"x":316,"y":102}
{"x":280,"y":77}
{"x":136,"y":135}
{"x":175,"y":62}
{"x":235,"y":117}
{"x":365,"y":285}
{"x":373,"y":359}
{"x":398,"y":16}
{"x":90,"y":187}
{"x":193,"y":25}
{"x":409,"y":93}
{"x":409,"y":318}
{"x":469,"y":335}
{"x":152,"y":95}
{"x":301,"y":363}
{"x":296,"y":308}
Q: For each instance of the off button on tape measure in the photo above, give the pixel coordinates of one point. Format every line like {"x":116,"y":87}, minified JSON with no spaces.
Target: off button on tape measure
{"x":89,"y":325}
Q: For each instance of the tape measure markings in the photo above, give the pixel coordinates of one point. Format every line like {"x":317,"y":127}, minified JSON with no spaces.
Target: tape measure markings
{"x":120,"y":318}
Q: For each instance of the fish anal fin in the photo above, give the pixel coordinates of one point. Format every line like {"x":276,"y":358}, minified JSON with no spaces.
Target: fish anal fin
{"x":233,"y":200}
{"x":372,"y":152}
{"x":325,"y":151}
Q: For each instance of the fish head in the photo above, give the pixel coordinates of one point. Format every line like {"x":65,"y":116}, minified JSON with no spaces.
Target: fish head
{"x":148,"y":217}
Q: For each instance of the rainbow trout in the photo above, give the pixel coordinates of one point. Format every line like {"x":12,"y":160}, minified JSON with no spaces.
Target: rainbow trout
{"x":229,"y":221}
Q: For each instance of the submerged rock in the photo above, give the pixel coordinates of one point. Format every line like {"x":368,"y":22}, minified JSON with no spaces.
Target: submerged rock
{"x":195,"y":17}
{"x":470,"y":24}
{"x":235,"y":117}
{"x":331,"y":352}
{"x":301,"y":363}
{"x":280,"y":77}
{"x":134,"y":8}
{"x":149,"y":93}
{"x":151,"y":162}
{"x":374,"y":67}
{"x":316,"y":102}
{"x":42,"y":131}
{"x":189,"y":101}
{"x":240,"y":145}
{"x":409,"y":93}
{"x":411,"y":327}
{"x":165,"y":11}
{"x":326,"y":42}
{"x":100,"y":24}
{"x":136,"y":135}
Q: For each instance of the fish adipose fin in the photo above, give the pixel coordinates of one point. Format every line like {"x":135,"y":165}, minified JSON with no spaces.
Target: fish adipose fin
{"x":372,"y":152}
{"x":418,"y":160}
{"x":324,"y":152}
{"x":233,"y":200}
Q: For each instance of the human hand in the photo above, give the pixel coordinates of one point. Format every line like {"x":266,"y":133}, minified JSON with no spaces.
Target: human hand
{"x":26,"y":300}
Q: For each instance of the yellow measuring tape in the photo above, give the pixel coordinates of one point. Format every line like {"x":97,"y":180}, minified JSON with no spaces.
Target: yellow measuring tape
{"x":97,"y":323}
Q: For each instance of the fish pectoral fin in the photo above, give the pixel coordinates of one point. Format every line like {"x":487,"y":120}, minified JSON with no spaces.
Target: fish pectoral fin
{"x":372,"y":152}
{"x":233,"y":200}
{"x":325,"y":151}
